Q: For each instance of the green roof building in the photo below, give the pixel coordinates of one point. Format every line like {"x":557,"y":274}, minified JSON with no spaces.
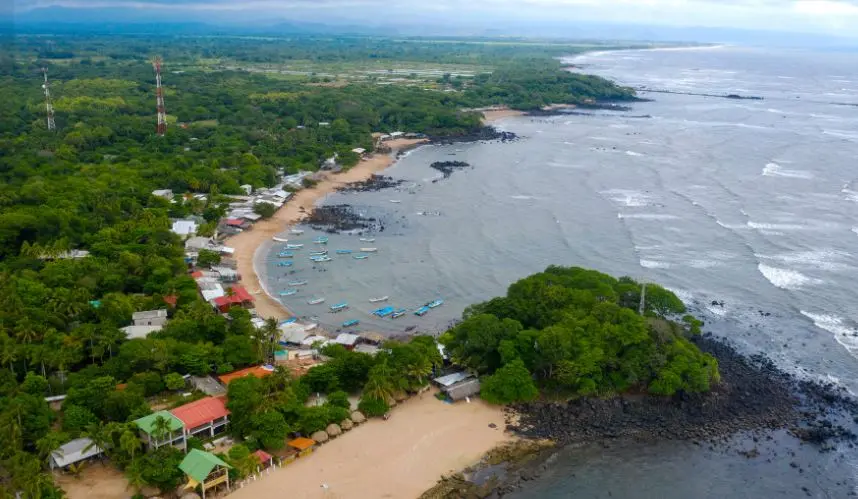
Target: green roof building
{"x":204,"y":469}
{"x":149,"y":429}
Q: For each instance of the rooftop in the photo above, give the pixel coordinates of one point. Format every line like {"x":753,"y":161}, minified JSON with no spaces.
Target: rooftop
{"x":74,"y":451}
{"x":301,"y":443}
{"x":198,"y":464}
{"x":258,"y":371}
{"x":201,"y":412}
{"x":453,"y":378}
{"x":149,"y":314}
{"x":346,"y":339}
{"x":147,"y":423}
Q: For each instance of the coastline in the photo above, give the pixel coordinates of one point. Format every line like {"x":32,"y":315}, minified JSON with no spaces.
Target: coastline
{"x":251,"y":244}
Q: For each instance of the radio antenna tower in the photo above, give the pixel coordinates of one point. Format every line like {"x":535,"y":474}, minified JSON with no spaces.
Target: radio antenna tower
{"x":49,"y":107}
{"x":159,"y":95}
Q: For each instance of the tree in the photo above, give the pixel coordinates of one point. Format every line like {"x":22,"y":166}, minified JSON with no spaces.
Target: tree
{"x":174,"y":381}
{"x":244,"y":462}
{"x":265,"y":210}
{"x":270,"y":429}
{"x":130,"y":443}
{"x":161,"y":428}
{"x":339,"y":399}
{"x":77,"y":418}
{"x":373,"y":407}
{"x":511,"y":383}
{"x":208,"y":258}
{"x":244,"y":399}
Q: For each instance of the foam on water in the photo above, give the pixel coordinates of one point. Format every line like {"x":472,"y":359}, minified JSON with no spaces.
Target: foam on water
{"x":843,"y":134}
{"x":786,"y":278}
{"x":775,"y":227}
{"x":844,"y":334}
{"x":824,"y":259}
{"x":654,"y":264}
{"x":632,"y":153}
{"x":647,"y":216}
{"x":775,"y":170}
{"x":628,"y":198}
{"x":522,"y":197}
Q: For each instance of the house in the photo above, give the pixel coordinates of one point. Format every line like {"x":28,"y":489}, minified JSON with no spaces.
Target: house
{"x":238,"y":223}
{"x":185,"y":228}
{"x":132,"y":332}
{"x":462,"y":389}
{"x":359,"y":151}
{"x":266,"y":460}
{"x":258,"y":371}
{"x":208,"y":415}
{"x":367,"y":349}
{"x":210,"y":288}
{"x":452,"y":379}
{"x":150,"y":317}
{"x":205,"y":470}
{"x":396,"y":135}
{"x":324,"y":123}
{"x":330,"y":163}
{"x":163,"y":193}
{"x":79,"y":449}
{"x":347,"y":340}
{"x":226,"y":274}
{"x":247,"y":188}
{"x":151,"y":436}
{"x":208,"y":385}
{"x":303,"y":445}
{"x":238,"y":297}
{"x":293,"y":336}
{"x":198,"y":243}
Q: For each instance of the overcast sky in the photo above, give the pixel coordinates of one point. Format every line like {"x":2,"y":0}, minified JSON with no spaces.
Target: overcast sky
{"x":832,"y":17}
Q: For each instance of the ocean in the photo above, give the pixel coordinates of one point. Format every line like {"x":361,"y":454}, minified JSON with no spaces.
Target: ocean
{"x":749,"y":203}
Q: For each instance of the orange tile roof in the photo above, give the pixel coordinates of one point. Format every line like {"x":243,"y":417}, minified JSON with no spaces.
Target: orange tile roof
{"x":258,"y":371}
{"x":301,"y":443}
{"x":201,"y":412}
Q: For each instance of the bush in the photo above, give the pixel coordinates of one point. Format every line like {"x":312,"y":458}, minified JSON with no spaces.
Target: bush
{"x":373,"y":407}
{"x":511,"y":383}
{"x":76,"y":418}
{"x":339,"y":399}
{"x":207,"y":258}
{"x":174,"y":381}
{"x":265,"y":210}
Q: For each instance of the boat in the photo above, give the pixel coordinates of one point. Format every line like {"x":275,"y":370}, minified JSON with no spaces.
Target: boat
{"x":353,"y":322}
{"x":290,"y":320}
{"x":422,"y":311}
{"x":360,"y":257}
{"x":369,"y":250}
{"x":395,"y":201}
{"x":344,"y":252}
{"x":379,"y":299}
{"x":319,"y":253}
{"x":383,"y":312}
{"x":285,"y":254}
{"x":297,"y":231}
{"x":435,"y":303}
{"x":323,"y":258}
{"x":280,"y":239}
{"x":294,"y":246}
{"x":284,"y":264}
{"x":288,"y":292}
{"x":315,"y":301}
{"x":321,"y":240}
{"x":339,"y":306}
{"x":368,"y":239}
{"x":398,"y":313}
{"x":297,"y":283}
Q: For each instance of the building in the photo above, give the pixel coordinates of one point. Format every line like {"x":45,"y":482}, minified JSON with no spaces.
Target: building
{"x":163,"y":193}
{"x":150,"y":317}
{"x":79,"y":449}
{"x":359,"y":151}
{"x":247,"y":188}
{"x":133,"y":332}
{"x":226,"y":274}
{"x":210,"y":288}
{"x":198,"y":243}
{"x":153,"y":439}
{"x":208,"y":416}
{"x":458,"y":385}
{"x":303,"y":445}
{"x":208,"y":385}
{"x":238,"y":297}
{"x":347,"y":340}
{"x":185,"y":228}
{"x":205,"y":470}
{"x":258,"y":371}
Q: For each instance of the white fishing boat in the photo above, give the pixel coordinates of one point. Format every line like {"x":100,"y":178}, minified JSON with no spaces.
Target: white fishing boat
{"x":280,"y":239}
{"x":379,"y":299}
{"x":294,"y":246}
{"x":297,"y":231}
{"x":395,"y":201}
{"x":315,"y":301}
{"x":369,"y":250}
{"x":368,"y":239}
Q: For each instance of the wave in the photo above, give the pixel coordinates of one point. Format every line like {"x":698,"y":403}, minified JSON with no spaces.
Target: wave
{"x":775,"y":170}
{"x":629,"y":198}
{"x":843,"y":333}
{"x":843,"y":134}
{"x":632,"y":153}
{"x":824,"y":259}
{"x":647,"y":216}
{"x":778,"y":227}
{"x":653,"y":264}
{"x":786,"y":278}
{"x":850,"y":194}
{"x":555,"y":164}
{"x":520,"y":196}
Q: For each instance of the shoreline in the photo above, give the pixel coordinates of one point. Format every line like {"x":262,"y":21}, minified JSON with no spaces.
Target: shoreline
{"x":249,"y":244}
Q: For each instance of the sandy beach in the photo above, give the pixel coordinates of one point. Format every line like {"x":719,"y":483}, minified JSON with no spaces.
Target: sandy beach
{"x":491,"y":115}
{"x":401,"y":457}
{"x":250,"y":241}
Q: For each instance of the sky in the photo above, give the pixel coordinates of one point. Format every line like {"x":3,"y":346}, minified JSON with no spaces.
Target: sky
{"x":828,"y":17}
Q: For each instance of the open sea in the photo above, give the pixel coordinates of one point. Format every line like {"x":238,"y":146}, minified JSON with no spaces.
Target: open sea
{"x":753,"y":203}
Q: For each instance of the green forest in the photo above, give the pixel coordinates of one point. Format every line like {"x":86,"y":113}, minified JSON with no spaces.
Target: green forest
{"x":577,"y":332}
{"x":88,"y":186}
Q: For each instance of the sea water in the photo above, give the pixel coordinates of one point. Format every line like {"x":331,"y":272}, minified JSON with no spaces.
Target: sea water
{"x":749,"y":202}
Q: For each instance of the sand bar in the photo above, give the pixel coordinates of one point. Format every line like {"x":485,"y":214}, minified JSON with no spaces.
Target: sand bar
{"x":401,"y":457}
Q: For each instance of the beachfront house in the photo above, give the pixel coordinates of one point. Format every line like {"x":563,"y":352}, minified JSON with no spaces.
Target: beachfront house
{"x":208,"y":416}
{"x":458,"y":385}
{"x":162,"y":428}
{"x":236,"y":297}
{"x":204,"y":470}
{"x":73,"y":452}
{"x":304,"y":446}
{"x":347,"y":340}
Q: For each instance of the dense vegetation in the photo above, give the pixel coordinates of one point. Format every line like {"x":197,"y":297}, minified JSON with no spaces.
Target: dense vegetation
{"x":88,"y":186}
{"x":578,"y":332}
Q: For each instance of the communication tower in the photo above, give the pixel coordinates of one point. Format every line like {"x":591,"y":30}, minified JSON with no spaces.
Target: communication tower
{"x":49,"y":107}
{"x":159,"y":95}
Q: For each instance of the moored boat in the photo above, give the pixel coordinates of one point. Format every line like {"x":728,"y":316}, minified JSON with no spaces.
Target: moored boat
{"x":297,"y":283}
{"x":369,"y":250}
{"x":343,"y":252}
{"x":290,"y":320}
{"x":297,"y":231}
{"x":323,"y":258}
{"x":384,"y":311}
{"x":398,"y":313}
{"x":321,"y":240}
{"x":284,"y":264}
{"x":435,"y":303}
{"x":360,"y":257}
{"x":339,"y":306}
{"x":395,"y":201}
{"x":422,"y":311}
{"x":279,"y":239}
{"x":350,"y":323}
{"x":368,"y":239}
{"x":315,"y":301}
{"x":319,"y":253}
{"x":294,"y":246}
{"x":288,"y":292}
{"x":285,"y":254}
{"x":379,"y":299}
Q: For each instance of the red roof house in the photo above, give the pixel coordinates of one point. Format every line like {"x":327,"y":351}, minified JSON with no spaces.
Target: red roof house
{"x":234,"y":222}
{"x":205,"y":415}
{"x":239,"y":297}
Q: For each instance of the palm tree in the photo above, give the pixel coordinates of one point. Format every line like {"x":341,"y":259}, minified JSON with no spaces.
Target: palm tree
{"x":379,"y":385}
{"x":129,"y":443}
{"x":161,"y":428}
{"x":99,"y":436}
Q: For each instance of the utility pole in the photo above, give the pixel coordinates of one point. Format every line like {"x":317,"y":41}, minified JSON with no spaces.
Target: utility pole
{"x":159,"y":97}
{"x":49,"y":107}
{"x":642,"y":305}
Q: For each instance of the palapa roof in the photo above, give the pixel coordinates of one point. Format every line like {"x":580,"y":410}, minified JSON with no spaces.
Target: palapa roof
{"x":198,"y":464}
{"x":301,"y":443}
{"x":201,"y":411}
{"x":147,"y":423}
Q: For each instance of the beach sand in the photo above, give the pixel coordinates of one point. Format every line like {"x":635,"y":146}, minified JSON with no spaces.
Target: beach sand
{"x":247,"y":243}
{"x":401,"y":457}
{"x":496,"y":114}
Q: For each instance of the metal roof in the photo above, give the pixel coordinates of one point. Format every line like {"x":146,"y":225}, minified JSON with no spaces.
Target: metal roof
{"x":346,"y":339}
{"x":201,"y":412}
{"x":74,"y":451}
{"x":198,"y":464}
{"x":453,"y":378}
{"x":140,"y":331}
{"x":147,"y":423}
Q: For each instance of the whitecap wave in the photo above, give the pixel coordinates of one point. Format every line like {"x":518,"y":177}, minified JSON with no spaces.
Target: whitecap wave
{"x":850,"y":194}
{"x":843,"y":134}
{"x":654,"y":264}
{"x":521,"y":196}
{"x":702,"y":264}
{"x":632,"y":153}
{"x":786,"y":278}
{"x":629,"y":198}
{"x":844,"y":334}
{"x":775,"y":227}
{"x":775,"y":170}
{"x":647,"y":216}
{"x":567,"y":166}
{"x":823,"y":259}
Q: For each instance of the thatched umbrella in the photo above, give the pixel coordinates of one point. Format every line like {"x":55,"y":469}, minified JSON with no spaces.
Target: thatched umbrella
{"x":319,"y":436}
{"x":334,"y":430}
{"x":346,"y":424}
{"x":358,"y":417}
